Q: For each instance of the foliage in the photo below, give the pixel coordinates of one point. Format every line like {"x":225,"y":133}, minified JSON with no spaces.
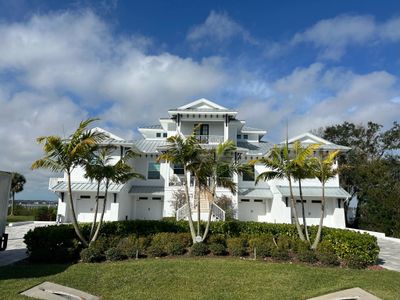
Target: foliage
{"x":217,"y":249}
{"x":114,"y":254}
{"x":371,"y":170}
{"x":226,"y":204}
{"x":17,"y":185}
{"x":199,"y":249}
{"x":45,"y":213}
{"x":326,"y":254}
{"x":304,"y":253}
{"x":168,"y":237}
{"x":237,"y":246}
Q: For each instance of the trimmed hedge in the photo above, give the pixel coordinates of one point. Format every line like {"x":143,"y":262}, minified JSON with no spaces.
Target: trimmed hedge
{"x":59,"y":243}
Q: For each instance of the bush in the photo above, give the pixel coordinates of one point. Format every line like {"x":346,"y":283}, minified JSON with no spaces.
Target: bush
{"x":217,"y":249}
{"x":59,"y":243}
{"x":45,"y":213}
{"x":177,"y":243}
{"x":131,"y":246}
{"x":115,"y":254}
{"x":326,"y":254}
{"x":263,"y":245}
{"x":91,"y":255}
{"x":281,"y":251}
{"x":216,"y":239}
{"x":237,"y":246}
{"x":199,"y":249}
{"x":304,"y":253}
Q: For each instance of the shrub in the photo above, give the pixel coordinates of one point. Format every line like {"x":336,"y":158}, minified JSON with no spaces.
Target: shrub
{"x":45,"y":213}
{"x":217,"y":249}
{"x":281,"y":251}
{"x":177,"y":243}
{"x":326,"y":254}
{"x":217,"y":239}
{"x":263,"y":245}
{"x":131,"y":246}
{"x":91,"y":255}
{"x":114,"y":254}
{"x":304,"y":253}
{"x":237,"y":246}
{"x":199,"y":249}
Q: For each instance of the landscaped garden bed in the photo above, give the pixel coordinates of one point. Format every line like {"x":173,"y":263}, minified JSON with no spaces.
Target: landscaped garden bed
{"x":140,"y":239}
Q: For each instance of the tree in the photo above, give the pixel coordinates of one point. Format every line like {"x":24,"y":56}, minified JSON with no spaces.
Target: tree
{"x":17,"y":185}
{"x":183,"y":151}
{"x":65,"y":155}
{"x":100,"y":167}
{"x":323,"y":170}
{"x":303,"y":169}
{"x":280,"y":164}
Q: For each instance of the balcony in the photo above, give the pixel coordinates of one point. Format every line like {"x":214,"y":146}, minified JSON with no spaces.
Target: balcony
{"x":210,"y":139}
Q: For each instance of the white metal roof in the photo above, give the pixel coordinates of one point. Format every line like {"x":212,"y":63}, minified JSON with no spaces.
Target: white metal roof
{"x":86,"y":187}
{"x":255,"y":193}
{"x":153,"y":190}
{"x":330,"y":192}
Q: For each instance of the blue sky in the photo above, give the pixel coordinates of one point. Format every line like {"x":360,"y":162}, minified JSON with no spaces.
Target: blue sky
{"x":314,"y":63}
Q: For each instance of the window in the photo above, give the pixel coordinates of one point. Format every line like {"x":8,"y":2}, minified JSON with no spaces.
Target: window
{"x":316,"y":201}
{"x":85,"y":197}
{"x":153,"y":171}
{"x":164,"y":134}
{"x":239,"y":136}
{"x":246,"y":136}
{"x":156,"y":198}
{"x":258,"y":200}
{"x":339,"y":203}
{"x":142,"y":198}
{"x":249,"y":174}
{"x":244,"y":200}
{"x":287,"y":201}
{"x":201,"y":132}
{"x":178,"y":169}
{"x":158,"y":134}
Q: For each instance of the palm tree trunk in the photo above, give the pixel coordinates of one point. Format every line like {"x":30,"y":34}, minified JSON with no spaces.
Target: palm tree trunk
{"x":72,"y":210}
{"x":303,"y":212}
{"x":95,"y":211}
{"x":198,"y":209}
{"x":294,"y":211}
{"x":96,"y":234}
{"x":209,"y":212}
{"x":190,"y":220}
{"x":321,"y":220}
{"x":12,"y":204}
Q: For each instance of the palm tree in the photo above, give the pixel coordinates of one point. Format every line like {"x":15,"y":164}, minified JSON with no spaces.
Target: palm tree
{"x":66,"y":154}
{"x":281,"y":165}
{"x":185,"y":152}
{"x":303,"y":170}
{"x":323,"y":170}
{"x":17,"y":185}
{"x":100,"y":168}
{"x":216,"y":170}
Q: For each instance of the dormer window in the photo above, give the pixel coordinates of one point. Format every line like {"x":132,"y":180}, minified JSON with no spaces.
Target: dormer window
{"x":165,"y":134}
{"x":239,"y":136}
{"x":245,"y":136}
{"x":158,"y":134}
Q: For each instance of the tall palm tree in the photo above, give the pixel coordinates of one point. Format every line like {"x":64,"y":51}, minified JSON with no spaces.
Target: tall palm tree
{"x":302,"y":163}
{"x":66,"y":154}
{"x":101,"y":168}
{"x":323,"y":170}
{"x":185,"y":152}
{"x":17,"y":185}
{"x":280,"y":164}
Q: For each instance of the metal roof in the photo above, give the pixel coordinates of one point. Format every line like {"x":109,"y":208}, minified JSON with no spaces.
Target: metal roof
{"x":148,"y":146}
{"x":249,"y":129}
{"x":333,"y":192}
{"x":86,"y":187}
{"x":259,"y":148}
{"x":153,"y":190}
{"x":111,"y":141}
{"x":255,"y":193}
{"x":156,"y":126}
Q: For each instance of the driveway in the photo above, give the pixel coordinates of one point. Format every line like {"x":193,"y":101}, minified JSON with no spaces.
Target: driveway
{"x":389,"y":256}
{"x":16,"y":249}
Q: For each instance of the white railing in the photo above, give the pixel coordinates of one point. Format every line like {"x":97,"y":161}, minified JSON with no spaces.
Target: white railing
{"x":210,"y":139}
{"x":217,"y":212}
{"x":54,"y":181}
{"x":182,"y":212}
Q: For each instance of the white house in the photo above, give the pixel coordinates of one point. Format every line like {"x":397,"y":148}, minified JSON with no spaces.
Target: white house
{"x":153,"y":198}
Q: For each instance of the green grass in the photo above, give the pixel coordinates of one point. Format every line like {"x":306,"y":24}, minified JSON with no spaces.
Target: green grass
{"x":11,"y":219}
{"x":203,"y":278}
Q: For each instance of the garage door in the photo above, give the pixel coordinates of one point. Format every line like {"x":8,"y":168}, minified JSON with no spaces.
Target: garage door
{"x":251,"y":209}
{"x":149,"y":208}
{"x":312,"y":209}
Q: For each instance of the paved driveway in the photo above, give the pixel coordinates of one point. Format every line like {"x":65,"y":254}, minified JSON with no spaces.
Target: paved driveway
{"x":16,"y":249}
{"x":389,"y":255}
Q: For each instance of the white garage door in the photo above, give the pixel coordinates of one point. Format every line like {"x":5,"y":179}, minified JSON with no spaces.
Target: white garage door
{"x":149,"y":208}
{"x":251,"y":209}
{"x":312,"y":209}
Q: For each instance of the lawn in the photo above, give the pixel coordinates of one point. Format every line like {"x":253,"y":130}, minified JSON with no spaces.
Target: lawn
{"x":11,"y":219}
{"x":203,"y":278}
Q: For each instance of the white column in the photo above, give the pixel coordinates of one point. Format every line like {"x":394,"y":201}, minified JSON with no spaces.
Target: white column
{"x":226,"y":128}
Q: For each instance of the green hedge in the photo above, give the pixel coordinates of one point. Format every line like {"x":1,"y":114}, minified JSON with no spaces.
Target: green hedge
{"x":59,"y":243}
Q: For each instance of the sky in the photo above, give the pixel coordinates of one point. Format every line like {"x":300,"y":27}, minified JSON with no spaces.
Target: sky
{"x":311,"y":63}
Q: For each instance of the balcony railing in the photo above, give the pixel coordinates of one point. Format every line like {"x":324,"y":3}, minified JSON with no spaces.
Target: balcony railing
{"x":210,"y":139}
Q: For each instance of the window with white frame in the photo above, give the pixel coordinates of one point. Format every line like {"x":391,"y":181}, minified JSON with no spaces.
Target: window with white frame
{"x":153,"y":171}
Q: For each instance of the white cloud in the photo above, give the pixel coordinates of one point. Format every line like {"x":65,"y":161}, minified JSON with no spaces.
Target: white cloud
{"x":71,"y":64}
{"x":218,"y":28}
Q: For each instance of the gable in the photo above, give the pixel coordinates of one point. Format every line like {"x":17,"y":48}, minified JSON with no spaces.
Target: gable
{"x":202,"y":104}
{"x":309,"y":138}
